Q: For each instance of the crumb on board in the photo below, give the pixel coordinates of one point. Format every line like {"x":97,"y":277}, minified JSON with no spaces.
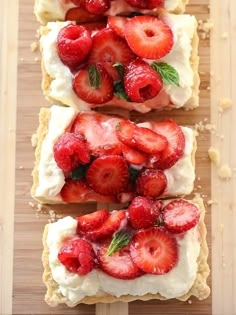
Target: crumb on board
{"x":21,"y":167}
{"x":190,"y":301}
{"x":225,"y":172}
{"x":204,"y":126}
{"x":32,"y":205}
{"x":204,"y":28}
{"x":211,"y":202}
{"x":225,"y":35}
{"x":225,"y":103}
{"x":36,"y":59}
{"x":34,"y":140}
{"x":34,"y":46}
{"x":214,"y":155}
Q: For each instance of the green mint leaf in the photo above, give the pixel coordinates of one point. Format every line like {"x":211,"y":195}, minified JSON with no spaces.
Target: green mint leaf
{"x":118,"y":127}
{"x":119,"y":90}
{"x":160,"y":221}
{"x":120,"y":68}
{"x":167,"y":72}
{"x":79,"y":172}
{"x":119,"y":240}
{"x":94,"y":76}
{"x":133,"y":174}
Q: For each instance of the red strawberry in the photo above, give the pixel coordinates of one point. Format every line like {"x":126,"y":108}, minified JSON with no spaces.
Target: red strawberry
{"x":117,"y":24}
{"x":94,"y":26}
{"x":124,"y":131}
{"x":77,"y":256}
{"x":176,"y":142}
{"x":151,"y":183}
{"x":79,"y":191}
{"x":73,"y":45}
{"x":180,"y":216}
{"x":118,"y":265}
{"x":108,"y":175}
{"x":125,"y":197}
{"x":99,"y":131}
{"x":141,"y":82}
{"x":145,"y":4}
{"x":144,"y":213}
{"x":97,"y":7}
{"x":110,"y":226}
{"x":149,"y":37}
{"x":79,"y":3}
{"x":154,"y":251}
{"x":70,"y":151}
{"x":91,"y":221}
{"x":133,"y":156}
{"x":81,"y":15}
{"x":109,"y":48}
{"x":100,"y":94}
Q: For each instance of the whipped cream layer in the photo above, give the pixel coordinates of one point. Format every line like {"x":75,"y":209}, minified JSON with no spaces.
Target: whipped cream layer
{"x":60,"y":89}
{"x":180,"y":177}
{"x":54,"y":10}
{"x":173,"y":284}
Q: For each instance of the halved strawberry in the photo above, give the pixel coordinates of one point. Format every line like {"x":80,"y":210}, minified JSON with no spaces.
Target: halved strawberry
{"x":110,"y":226}
{"x":145,"y":4}
{"x":119,"y":265}
{"x":154,"y":251}
{"x":117,"y":24}
{"x":151,"y":183}
{"x":100,"y":94}
{"x":176,"y":142}
{"x":180,"y":216}
{"x":109,"y":48}
{"x":97,"y":7}
{"x":133,"y":156}
{"x":144,"y":212}
{"x":108,"y":174}
{"x":92,"y":220}
{"x":124,"y":131}
{"x":77,"y":256}
{"x":79,"y":191}
{"x":149,"y":37}
{"x":81,"y":15}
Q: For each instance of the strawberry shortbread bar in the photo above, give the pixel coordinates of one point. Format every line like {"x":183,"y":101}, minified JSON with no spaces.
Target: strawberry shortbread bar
{"x":139,"y":63}
{"x":152,"y":250}
{"x":94,"y":10}
{"x":88,"y":156}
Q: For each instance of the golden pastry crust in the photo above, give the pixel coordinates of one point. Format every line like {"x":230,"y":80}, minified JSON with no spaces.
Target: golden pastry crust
{"x":200,"y":289}
{"x":191,"y":103}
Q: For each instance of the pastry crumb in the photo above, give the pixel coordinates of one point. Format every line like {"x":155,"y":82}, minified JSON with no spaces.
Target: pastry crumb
{"x":36,"y":59}
{"x":34,"y":46}
{"x":190,"y":301}
{"x":34,"y":140}
{"x":199,"y":186}
{"x":225,"y":35}
{"x":214,"y":155}
{"x":225,"y":103}
{"x":225,"y":172}
{"x":31,"y":204}
{"x":204,"y":28}
{"x":211,"y":202}
{"x":21,"y":167}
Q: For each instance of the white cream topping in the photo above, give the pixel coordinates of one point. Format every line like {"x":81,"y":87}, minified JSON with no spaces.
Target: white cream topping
{"x":180,"y":177}
{"x":183,"y":27}
{"x":174,"y":284}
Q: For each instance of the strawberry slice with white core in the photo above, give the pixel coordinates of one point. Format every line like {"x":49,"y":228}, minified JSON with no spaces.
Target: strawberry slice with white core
{"x":124,"y":131}
{"x":108,"y":175}
{"x":180,"y":216}
{"x":117,"y":24}
{"x":133,"y":156}
{"x":151,"y":183}
{"x":154,"y":251}
{"x":110,"y":226}
{"x":119,"y":265}
{"x":99,"y":94}
{"x":92,"y":221}
{"x":109,"y":48}
{"x":149,"y":37}
{"x":176,"y":142}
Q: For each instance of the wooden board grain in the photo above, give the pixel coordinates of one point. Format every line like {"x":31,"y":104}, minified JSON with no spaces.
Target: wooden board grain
{"x":28,"y":289}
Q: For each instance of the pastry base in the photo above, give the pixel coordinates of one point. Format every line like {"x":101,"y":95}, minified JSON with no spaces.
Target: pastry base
{"x":200,"y":289}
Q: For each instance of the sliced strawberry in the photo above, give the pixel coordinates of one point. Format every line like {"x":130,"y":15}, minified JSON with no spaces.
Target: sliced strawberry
{"x":97,"y":7}
{"x":78,"y":191}
{"x":149,"y":37}
{"x":110,"y":226}
{"x":124,"y":197}
{"x":151,"y":183}
{"x":99,"y":131}
{"x":124,"y":131}
{"x":117,"y":24}
{"x":180,"y":216}
{"x":154,"y":251}
{"x":118,"y":265}
{"x":91,"y":221}
{"x":176,"y":142}
{"x":144,"y":212}
{"x":109,"y":48}
{"x":81,"y":15}
{"x":133,"y":156}
{"x":145,"y":4}
{"x":77,"y":256}
{"x":108,"y":174}
{"x":90,"y":94}
{"x":71,"y":40}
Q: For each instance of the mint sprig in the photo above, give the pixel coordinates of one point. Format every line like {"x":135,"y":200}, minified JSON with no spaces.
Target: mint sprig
{"x":79,"y":172}
{"x":119,"y":240}
{"x":168,"y":73}
{"x":119,"y":90}
{"x":120,"y":68}
{"x":95,"y":77}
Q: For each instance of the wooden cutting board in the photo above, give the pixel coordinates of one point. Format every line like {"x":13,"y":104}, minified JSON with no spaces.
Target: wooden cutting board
{"x":23,"y":265}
